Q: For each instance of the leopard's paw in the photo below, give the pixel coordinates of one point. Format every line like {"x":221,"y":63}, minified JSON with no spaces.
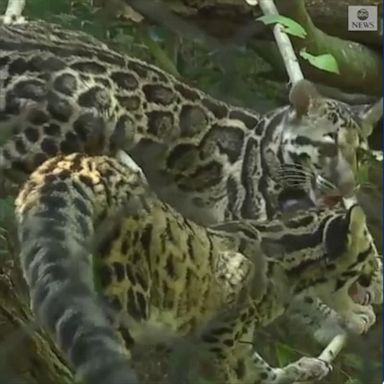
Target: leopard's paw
{"x":360,"y":319}
{"x":305,"y":369}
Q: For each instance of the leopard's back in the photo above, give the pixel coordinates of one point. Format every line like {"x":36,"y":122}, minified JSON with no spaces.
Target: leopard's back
{"x":66,"y":93}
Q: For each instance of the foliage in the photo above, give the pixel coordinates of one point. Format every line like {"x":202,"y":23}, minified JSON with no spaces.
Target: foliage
{"x":325,"y":62}
{"x":289,"y":26}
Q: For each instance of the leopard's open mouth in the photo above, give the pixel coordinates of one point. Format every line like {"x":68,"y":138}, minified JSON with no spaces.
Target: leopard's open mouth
{"x":360,"y":294}
{"x":332,"y":200}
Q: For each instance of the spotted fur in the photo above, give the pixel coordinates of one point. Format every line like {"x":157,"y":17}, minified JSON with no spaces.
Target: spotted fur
{"x":161,"y":276}
{"x":64,"y":92}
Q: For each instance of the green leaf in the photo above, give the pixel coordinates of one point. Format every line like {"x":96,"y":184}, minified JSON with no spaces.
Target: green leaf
{"x":284,"y":354}
{"x":290,"y":26}
{"x":325,"y":62}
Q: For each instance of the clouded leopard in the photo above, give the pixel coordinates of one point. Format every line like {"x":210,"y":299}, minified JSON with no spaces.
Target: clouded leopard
{"x":64,"y":91}
{"x":163,"y":276}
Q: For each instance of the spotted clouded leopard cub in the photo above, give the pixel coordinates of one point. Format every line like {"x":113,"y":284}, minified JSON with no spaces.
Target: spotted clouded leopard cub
{"x":64,"y":92}
{"x":160,"y":274}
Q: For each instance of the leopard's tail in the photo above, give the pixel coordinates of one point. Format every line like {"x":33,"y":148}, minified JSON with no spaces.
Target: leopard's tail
{"x":57,"y":210}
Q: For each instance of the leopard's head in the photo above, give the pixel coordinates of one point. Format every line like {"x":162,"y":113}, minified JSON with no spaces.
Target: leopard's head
{"x":324,"y":142}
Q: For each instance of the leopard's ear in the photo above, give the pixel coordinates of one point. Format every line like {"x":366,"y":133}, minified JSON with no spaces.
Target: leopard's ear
{"x":302,"y":96}
{"x":370,"y":117}
{"x":343,"y":231}
{"x":335,"y":237}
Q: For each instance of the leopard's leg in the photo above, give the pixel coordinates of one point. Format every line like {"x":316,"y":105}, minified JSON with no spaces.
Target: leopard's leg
{"x":300,"y":371}
{"x":319,"y":320}
{"x":358,"y":318}
{"x":325,"y":323}
{"x":238,"y":362}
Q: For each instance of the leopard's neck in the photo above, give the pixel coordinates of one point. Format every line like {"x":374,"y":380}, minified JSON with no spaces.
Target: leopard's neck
{"x":209,"y":156}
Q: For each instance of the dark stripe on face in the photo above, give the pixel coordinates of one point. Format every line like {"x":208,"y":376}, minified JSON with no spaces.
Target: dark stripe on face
{"x":296,"y":242}
{"x":265,"y":141}
{"x":327,"y":149}
{"x":249,"y":168}
{"x":362,"y":256}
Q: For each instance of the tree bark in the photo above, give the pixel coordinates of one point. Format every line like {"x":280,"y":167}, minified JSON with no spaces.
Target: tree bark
{"x":233,"y":21}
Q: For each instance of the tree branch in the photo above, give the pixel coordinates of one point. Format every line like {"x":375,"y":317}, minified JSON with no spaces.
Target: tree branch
{"x":13,"y":13}
{"x":284,"y":43}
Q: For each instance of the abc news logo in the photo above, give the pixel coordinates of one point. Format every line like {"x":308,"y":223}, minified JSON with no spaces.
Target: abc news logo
{"x":362,"y":18}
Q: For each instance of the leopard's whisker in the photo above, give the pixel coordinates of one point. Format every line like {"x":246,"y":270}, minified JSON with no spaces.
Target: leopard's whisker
{"x":295,"y":178}
{"x":294,"y":168}
{"x":325,"y":184}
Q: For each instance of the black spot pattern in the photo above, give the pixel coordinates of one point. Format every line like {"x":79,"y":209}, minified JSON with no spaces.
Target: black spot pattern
{"x":95,"y":97}
{"x":82,"y":207}
{"x":30,"y":89}
{"x":186,"y":92}
{"x":89,"y":67}
{"x":119,"y":271}
{"x":17,"y":67}
{"x":123,"y":133}
{"x":193,"y":120}
{"x":219,"y":110}
{"x":32,"y":134}
{"x":88,"y":123}
{"x":39,"y":158}
{"x":37,"y":116}
{"x":66,"y":84}
{"x":130,"y":103}
{"x":47,"y":65}
{"x":49,"y":147}
{"x":249,"y":121}
{"x":133,"y":307}
{"x":20,"y":146}
{"x":160,"y":124}
{"x":51,"y":129}
{"x":58,"y":107}
{"x":156,"y":93}
{"x":125,"y":80}
{"x":228,"y":140}
{"x":71,"y":143}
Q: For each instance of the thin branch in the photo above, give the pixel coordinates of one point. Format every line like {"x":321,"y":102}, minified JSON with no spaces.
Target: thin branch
{"x":295,"y":74}
{"x":283,"y":42}
{"x":13,"y":13}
